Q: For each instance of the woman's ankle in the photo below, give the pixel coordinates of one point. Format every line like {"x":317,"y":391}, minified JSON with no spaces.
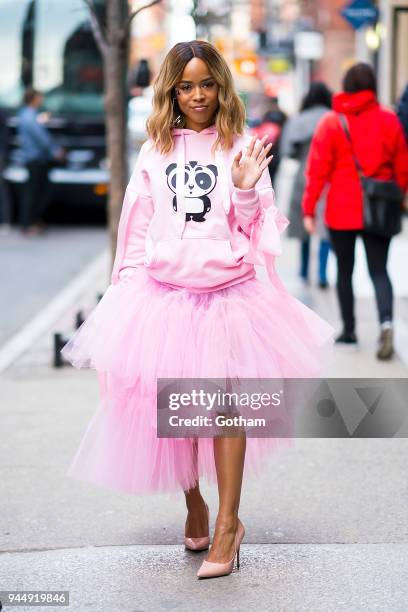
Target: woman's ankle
{"x":227,"y":520}
{"x":194,"y":500}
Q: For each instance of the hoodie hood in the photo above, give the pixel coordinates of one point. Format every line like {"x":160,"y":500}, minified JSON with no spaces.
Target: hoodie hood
{"x":184,"y":138}
{"x":186,"y":131}
{"x":354,"y":103}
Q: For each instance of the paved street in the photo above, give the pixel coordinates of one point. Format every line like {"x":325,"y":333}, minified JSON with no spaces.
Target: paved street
{"x":326,"y":524}
{"x":35,"y":268}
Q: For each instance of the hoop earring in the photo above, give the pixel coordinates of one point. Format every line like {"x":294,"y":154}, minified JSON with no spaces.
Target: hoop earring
{"x":179,"y":120}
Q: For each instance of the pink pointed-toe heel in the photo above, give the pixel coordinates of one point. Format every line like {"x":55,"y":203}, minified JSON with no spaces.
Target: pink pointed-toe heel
{"x":198,"y":544}
{"x":209,"y":569}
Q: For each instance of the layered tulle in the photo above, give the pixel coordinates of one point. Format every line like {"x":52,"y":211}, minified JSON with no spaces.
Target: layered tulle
{"x":142,"y":330}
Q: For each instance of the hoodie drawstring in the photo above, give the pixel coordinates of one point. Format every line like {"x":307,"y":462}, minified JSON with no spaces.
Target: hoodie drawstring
{"x":224,"y":183}
{"x":181,"y":160}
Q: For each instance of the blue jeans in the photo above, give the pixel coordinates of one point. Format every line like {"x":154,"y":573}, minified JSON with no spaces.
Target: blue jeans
{"x":324,"y":249}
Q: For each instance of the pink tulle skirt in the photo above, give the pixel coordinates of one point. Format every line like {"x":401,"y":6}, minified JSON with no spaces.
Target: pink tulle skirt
{"x":142,"y":330}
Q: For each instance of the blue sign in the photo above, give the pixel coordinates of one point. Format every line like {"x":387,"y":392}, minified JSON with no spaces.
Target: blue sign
{"x":360,"y":13}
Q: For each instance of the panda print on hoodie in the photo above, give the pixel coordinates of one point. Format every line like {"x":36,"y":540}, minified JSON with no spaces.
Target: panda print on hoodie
{"x":199,"y":182}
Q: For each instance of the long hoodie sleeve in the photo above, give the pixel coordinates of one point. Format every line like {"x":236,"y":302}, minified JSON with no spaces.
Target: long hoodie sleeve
{"x":137,"y":211}
{"x":247,"y":207}
{"x":259,"y":217}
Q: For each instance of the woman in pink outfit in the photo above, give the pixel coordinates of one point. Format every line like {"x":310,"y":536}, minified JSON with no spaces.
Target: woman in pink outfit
{"x":184,"y":302}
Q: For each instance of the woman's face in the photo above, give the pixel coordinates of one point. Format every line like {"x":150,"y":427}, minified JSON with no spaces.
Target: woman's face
{"x":197,"y":95}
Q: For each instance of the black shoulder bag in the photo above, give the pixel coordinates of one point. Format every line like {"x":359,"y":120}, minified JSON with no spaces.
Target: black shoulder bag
{"x":382,"y":200}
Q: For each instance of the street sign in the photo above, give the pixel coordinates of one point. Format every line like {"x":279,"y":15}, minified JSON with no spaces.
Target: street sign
{"x":360,"y":13}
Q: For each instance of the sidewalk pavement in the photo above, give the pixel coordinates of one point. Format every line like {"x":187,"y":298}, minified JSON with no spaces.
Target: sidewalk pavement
{"x":326,"y":523}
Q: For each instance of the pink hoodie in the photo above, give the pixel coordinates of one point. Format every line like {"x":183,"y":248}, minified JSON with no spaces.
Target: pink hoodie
{"x":186,"y":223}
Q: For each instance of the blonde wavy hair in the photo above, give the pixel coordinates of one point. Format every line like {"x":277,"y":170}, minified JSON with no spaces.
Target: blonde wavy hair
{"x":230,"y":115}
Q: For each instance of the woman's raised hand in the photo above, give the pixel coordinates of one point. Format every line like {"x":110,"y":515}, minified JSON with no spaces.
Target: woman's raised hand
{"x":247,"y":168}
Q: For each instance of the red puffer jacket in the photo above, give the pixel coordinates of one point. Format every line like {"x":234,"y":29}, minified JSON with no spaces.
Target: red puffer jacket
{"x":379,"y":144}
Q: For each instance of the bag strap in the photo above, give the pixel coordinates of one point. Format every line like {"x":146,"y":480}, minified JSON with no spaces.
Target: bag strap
{"x":344,"y":124}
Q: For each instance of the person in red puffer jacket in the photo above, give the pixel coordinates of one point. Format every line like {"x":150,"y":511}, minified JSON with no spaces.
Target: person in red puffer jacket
{"x":380,"y":146}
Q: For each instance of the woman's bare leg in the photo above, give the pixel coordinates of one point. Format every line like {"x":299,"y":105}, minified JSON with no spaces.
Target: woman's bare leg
{"x":197,"y":522}
{"x":229,"y":455}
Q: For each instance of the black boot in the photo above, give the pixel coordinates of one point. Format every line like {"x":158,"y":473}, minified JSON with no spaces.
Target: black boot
{"x":346,"y":337}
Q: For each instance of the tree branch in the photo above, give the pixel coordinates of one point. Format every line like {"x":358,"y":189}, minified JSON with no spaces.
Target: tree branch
{"x":134,"y":13}
{"x":97,"y":27}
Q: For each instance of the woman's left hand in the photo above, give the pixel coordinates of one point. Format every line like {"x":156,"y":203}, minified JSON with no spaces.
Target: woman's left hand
{"x":247,"y":169}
